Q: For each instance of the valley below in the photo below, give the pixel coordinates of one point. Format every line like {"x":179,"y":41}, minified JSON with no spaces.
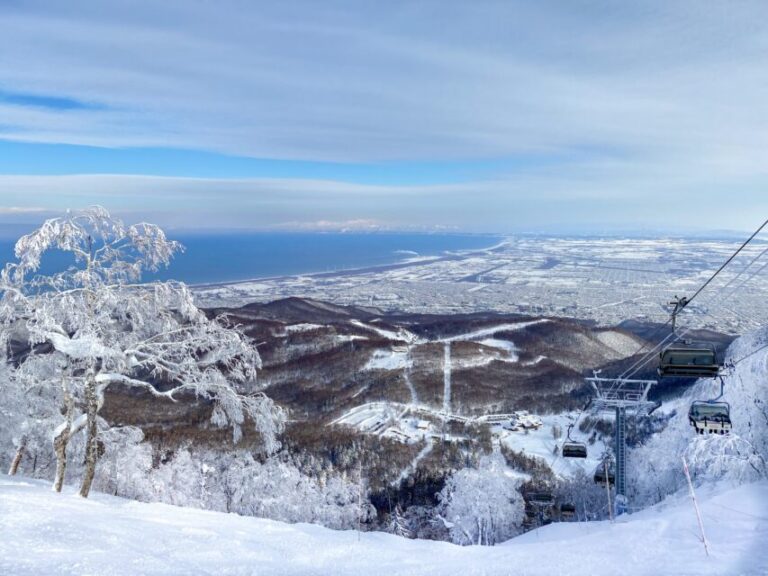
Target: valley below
{"x":398,"y":376}
{"x":402,"y":400}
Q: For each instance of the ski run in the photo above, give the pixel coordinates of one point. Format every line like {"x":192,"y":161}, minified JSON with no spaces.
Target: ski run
{"x":43,"y":533}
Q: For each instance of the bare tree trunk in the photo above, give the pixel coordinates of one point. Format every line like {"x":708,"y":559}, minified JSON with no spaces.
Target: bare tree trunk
{"x":61,"y":440}
{"x":60,"y":446}
{"x":19,"y":455}
{"x":92,"y":441}
{"x":91,"y":407}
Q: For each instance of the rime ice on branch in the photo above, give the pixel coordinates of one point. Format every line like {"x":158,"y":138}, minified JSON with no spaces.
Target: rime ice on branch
{"x":93,"y":325}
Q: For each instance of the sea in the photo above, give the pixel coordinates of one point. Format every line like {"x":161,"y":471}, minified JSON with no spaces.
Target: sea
{"x":225,"y":257}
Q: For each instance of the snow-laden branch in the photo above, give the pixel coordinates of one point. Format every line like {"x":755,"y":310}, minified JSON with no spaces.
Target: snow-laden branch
{"x":107,"y":329}
{"x":107,"y":379}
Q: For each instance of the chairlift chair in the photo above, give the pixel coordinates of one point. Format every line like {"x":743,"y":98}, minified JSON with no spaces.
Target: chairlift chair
{"x":600,"y":477}
{"x":688,"y":362}
{"x":567,"y":511}
{"x":573,"y":449}
{"x":541,"y":498}
{"x":710,"y":417}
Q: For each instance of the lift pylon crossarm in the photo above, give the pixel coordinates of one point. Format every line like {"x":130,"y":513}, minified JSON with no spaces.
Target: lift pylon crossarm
{"x":612,"y":393}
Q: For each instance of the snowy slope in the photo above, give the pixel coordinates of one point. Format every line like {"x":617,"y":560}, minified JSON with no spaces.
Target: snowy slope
{"x":540,"y":443}
{"x":45,"y":533}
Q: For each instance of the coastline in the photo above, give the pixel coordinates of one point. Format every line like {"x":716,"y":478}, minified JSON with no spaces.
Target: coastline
{"x":356,"y":271}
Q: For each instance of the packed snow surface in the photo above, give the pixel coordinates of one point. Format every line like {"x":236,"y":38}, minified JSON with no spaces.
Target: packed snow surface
{"x":400,"y":335}
{"x":53,"y":534}
{"x":302,"y":327}
{"x":388,"y":360}
{"x":491,"y":330}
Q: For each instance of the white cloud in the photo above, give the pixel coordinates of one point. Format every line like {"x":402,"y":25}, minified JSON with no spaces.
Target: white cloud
{"x":21,"y":210}
{"x":573,"y":200}
{"x":652,"y":112}
{"x":331,"y":81}
{"x":359,"y":225}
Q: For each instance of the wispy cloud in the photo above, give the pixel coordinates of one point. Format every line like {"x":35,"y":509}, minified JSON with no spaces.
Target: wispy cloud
{"x":334,"y":81}
{"x":535,"y":201}
{"x":645,"y":109}
{"x":359,"y":225}
{"x":21,"y":209}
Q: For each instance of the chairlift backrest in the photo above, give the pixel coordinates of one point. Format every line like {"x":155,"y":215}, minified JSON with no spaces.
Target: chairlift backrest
{"x":688,"y":361}
{"x":574,"y":450}
{"x":599,"y":477}
{"x":709,"y":410}
{"x":541,"y":498}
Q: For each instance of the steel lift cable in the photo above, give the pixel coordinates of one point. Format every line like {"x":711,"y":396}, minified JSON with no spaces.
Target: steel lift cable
{"x":648,"y":357}
{"x":637,"y":366}
{"x":643,"y":361}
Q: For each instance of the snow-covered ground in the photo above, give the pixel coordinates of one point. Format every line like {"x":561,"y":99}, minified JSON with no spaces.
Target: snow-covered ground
{"x":403,"y":422}
{"x":43,"y":533}
{"x":388,"y":360}
{"x":413,"y":423}
{"x":491,"y":330}
{"x":541,"y":443}
{"x":401,"y":335}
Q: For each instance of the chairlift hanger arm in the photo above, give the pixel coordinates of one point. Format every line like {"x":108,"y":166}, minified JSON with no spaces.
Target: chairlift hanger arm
{"x":677,"y":306}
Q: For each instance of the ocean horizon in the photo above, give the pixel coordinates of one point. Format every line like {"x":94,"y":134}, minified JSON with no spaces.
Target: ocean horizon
{"x":222,"y":258}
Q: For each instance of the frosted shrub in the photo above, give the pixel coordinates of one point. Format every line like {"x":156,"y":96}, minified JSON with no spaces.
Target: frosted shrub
{"x":482,"y":505}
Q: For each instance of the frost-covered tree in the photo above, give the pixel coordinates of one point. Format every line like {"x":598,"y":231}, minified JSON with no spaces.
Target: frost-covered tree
{"x":482,"y":505}
{"x":14,"y":427}
{"x":108,"y":329}
{"x":278,"y":490}
{"x":125,"y":468}
{"x":398,"y":524}
{"x":588,"y":498}
{"x":730,"y":456}
{"x":29,"y":409}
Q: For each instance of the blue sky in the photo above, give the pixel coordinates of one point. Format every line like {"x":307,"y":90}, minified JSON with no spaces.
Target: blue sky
{"x":486,"y":117}
{"x":61,"y":159}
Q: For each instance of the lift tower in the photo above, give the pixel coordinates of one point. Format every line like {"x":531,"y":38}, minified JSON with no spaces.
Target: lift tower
{"x":622,"y":396}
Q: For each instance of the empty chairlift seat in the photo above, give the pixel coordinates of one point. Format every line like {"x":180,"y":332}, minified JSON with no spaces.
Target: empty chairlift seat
{"x":600,"y":476}
{"x":688,"y":362}
{"x":574,"y":450}
{"x":709,"y":417}
{"x":567,"y":511}
{"x":541,"y":498}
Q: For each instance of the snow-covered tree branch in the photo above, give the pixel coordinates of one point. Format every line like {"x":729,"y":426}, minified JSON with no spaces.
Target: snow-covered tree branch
{"x":95,"y":327}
